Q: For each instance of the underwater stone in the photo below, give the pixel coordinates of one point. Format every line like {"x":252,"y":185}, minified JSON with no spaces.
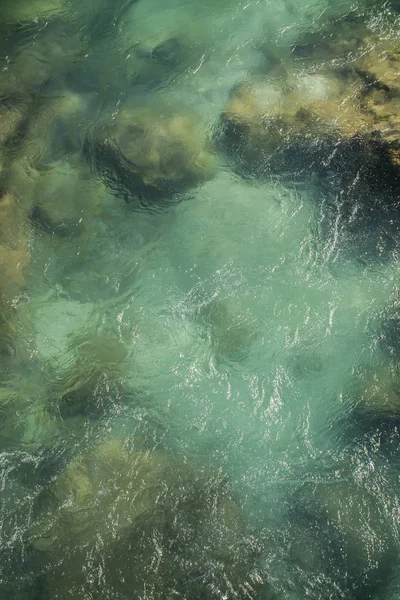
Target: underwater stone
{"x":340,"y":41}
{"x":26,"y":419}
{"x":380,"y":69}
{"x":10,"y":117}
{"x":150,"y":155}
{"x":45,"y":136}
{"x":63,"y":116}
{"x":15,"y":118}
{"x":343,"y":539}
{"x":232,"y":328}
{"x":8,"y":332}
{"x":19,"y":11}
{"x":168,"y":52}
{"x":96,"y":361}
{"x":270,"y":123}
{"x":154,"y":523}
{"x":262,"y":119}
{"x":13,"y":263}
{"x":33,"y":68}
{"x":14,"y":244}
{"x":159,"y":61}
{"x":107,"y":477}
{"x":82,"y":200}
{"x":14,"y":269}
{"x":379,"y":395}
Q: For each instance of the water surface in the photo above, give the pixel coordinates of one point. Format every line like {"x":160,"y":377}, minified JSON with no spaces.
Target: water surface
{"x":222,"y":337}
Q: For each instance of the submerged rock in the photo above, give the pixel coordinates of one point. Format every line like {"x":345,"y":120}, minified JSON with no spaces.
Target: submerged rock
{"x":150,"y":155}
{"x":26,"y":11}
{"x":150,"y":523}
{"x":95,"y":362}
{"x":15,"y":121}
{"x":41,"y":162}
{"x":380,"y":70}
{"x":342,"y":40}
{"x":303,"y":119}
{"x":263,"y":120}
{"x":14,"y":247}
{"x":378,"y":398}
{"x":26,"y":421}
{"x":343,"y":544}
{"x":232,"y":328}
{"x":10,"y":119}
{"x":160,"y":61}
{"x":15,"y":239}
{"x":82,"y":201}
{"x":39,"y":56}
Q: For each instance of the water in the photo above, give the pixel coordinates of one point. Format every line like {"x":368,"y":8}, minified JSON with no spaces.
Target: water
{"x":199,"y":386}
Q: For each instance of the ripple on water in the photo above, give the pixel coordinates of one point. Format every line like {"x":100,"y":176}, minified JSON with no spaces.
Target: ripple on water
{"x":199,"y":392}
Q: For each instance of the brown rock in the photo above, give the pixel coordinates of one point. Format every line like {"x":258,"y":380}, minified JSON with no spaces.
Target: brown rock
{"x":121,"y":522}
{"x":263,"y":118}
{"x":14,"y":243}
{"x":152,"y":155}
{"x":324,"y":101}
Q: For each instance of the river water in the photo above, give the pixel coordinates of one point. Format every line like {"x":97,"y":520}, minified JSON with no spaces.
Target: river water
{"x":215,"y":345}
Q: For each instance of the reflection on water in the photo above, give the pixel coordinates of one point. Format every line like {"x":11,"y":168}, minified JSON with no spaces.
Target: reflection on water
{"x":199,"y":241}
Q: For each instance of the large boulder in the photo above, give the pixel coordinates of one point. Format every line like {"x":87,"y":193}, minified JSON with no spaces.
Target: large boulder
{"x":380,"y":70}
{"x":318,"y":112}
{"x":121,"y":523}
{"x":150,"y":155}
{"x":262,"y":120}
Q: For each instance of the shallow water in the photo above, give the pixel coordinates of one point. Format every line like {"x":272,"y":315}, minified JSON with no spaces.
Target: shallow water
{"x":229,"y":330}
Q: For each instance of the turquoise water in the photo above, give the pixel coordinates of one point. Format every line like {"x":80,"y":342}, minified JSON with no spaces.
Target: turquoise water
{"x":183,"y":378}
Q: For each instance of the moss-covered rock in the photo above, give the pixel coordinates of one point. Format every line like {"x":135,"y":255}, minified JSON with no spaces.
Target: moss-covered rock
{"x":153,"y":523}
{"x":151,"y":155}
{"x":263,"y":119}
{"x":380,"y":70}
{"x":315,"y":105}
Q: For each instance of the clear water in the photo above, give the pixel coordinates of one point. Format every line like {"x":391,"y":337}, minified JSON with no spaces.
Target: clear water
{"x":230,"y":332}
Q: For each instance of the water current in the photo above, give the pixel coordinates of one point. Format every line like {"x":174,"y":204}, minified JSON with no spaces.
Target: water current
{"x":199,"y":277}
